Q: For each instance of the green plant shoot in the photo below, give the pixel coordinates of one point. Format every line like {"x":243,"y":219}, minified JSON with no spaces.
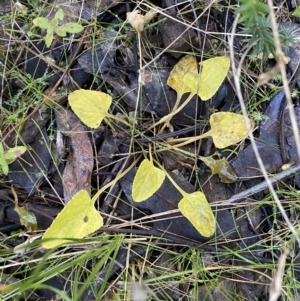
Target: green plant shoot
{"x":53,"y":26}
{"x":9,"y":156}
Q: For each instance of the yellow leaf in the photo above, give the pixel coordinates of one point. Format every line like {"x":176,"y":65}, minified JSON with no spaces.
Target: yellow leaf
{"x":147,"y":181}
{"x":78,"y":219}
{"x":27,"y":218}
{"x":227,"y":128}
{"x":196,"y":209}
{"x":211,"y":77}
{"x":192,"y":82}
{"x":90,"y":106}
{"x":175,"y":80}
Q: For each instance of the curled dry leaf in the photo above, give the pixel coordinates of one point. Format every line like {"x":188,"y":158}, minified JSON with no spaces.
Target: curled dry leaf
{"x":220,"y":167}
{"x":138,"y":21}
{"x":20,"y":8}
{"x":275,"y":288}
{"x":26,"y":247}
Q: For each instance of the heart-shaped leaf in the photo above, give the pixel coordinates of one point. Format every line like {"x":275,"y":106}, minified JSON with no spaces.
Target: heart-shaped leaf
{"x":175,"y":80}
{"x":147,"y":181}
{"x":227,"y":128}
{"x":196,"y":209}
{"x":90,"y":106}
{"x":78,"y":219}
{"x":211,"y":77}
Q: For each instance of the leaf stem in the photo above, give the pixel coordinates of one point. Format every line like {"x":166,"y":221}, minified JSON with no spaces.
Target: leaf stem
{"x":15,"y":196}
{"x":185,"y":141}
{"x":118,"y":119}
{"x":117,"y":178}
{"x":171,"y":179}
{"x":175,"y":111}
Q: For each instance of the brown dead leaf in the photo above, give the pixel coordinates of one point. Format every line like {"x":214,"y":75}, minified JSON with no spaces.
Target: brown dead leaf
{"x":79,"y":166}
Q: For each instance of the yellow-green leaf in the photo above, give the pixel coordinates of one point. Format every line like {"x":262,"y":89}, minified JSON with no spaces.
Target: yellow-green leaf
{"x":196,"y":209}
{"x":175,"y":80}
{"x":3,"y":164}
{"x":60,"y":32}
{"x":41,"y":22}
{"x":3,"y":167}
{"x":72,"y":27}
{"x":78,"y":219}
{"x":90,"y":106}
{"x":211,"y":77}
{"x":296,"y":12}
{"x":147,"y":181}
{"x":59,"y":15}
{"x":49,"y":37}
{"x":227,"y":128}
{"x":13,"y":153}
{"x":220,"y":167}
{"x":27,"y":218}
